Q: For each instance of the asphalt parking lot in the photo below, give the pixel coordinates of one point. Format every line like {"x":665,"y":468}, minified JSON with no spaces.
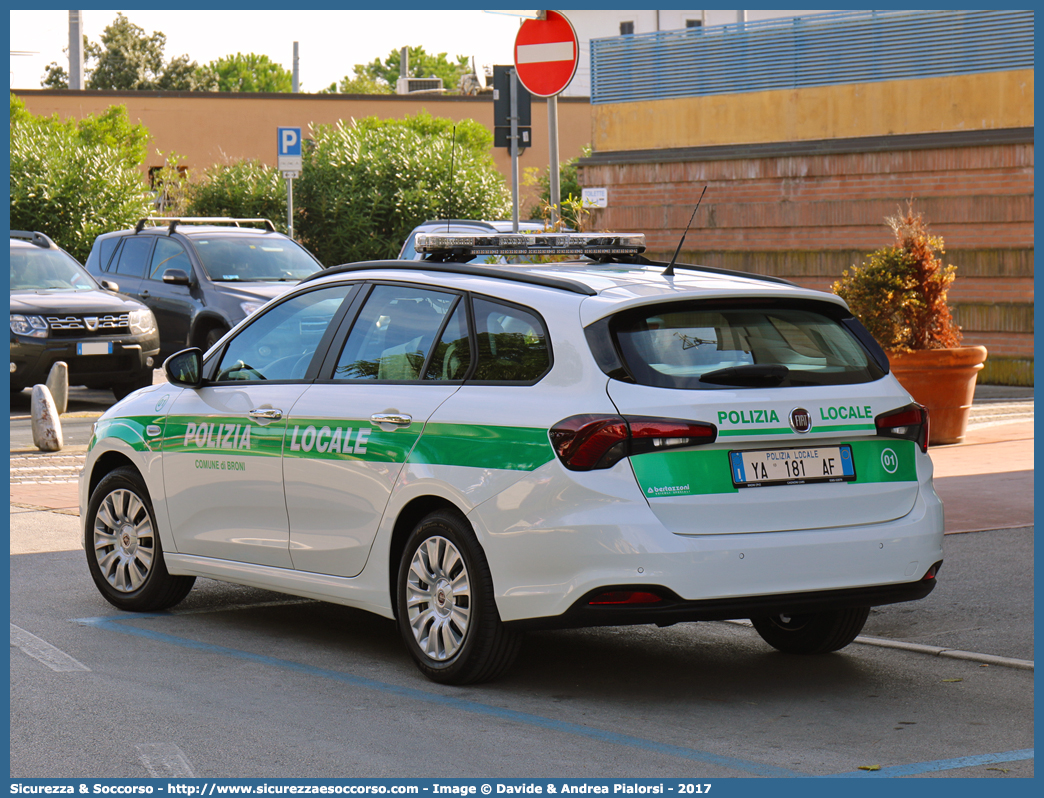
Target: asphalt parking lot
{"x":244,"y":683}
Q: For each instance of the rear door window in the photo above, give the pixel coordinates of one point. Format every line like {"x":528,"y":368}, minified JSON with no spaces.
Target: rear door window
{"x":98,"y":260}
{"x":133,"y":256}
{"x":395,"y":332}
{"x":745,"y":344}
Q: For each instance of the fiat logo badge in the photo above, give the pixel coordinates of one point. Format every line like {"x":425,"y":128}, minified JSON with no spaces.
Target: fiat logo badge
{"x":800,"y":420}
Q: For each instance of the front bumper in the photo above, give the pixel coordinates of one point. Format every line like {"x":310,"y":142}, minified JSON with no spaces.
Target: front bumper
{"x":128,"y":358}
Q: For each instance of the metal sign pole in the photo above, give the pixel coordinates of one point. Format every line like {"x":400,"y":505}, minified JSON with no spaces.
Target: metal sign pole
{"x":290,"y":206}
{"x":514,"y":151}
{"x":552,"y":146}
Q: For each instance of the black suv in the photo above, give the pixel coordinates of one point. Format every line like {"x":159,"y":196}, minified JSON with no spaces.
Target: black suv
{"x":59,"y":312}
{"x":200,"y":276}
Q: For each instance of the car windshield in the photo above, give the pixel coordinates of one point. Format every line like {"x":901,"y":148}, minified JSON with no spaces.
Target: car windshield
{"x":696,"y":345}
{"x":36,"y":269}
{"x":254,"y":259}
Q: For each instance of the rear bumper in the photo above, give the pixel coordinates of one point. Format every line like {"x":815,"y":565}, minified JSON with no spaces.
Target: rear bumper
{"x":673,"y":609}
{"x":594,"y":533}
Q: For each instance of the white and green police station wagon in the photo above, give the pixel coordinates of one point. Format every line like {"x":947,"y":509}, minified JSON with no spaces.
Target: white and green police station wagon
{"x":477,"y":450}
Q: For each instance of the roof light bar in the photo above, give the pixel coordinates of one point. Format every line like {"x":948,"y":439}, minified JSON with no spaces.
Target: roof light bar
{"x":533,"y":244}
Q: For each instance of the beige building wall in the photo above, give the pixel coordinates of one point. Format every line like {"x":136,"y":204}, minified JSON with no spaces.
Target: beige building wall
{"x":983,"y":101}
{"x":211,"y":128}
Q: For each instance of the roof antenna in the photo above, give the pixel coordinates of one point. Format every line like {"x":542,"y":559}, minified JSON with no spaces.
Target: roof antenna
{"x":669,"y":271}
{"x":453,"y":148}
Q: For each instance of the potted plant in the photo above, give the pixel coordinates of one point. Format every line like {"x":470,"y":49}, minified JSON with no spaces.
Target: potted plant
{"x":899,"y":295}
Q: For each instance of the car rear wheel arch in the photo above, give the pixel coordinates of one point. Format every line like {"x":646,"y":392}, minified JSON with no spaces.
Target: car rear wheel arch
{"x":405,"y":523}
{"x":203,"y":327}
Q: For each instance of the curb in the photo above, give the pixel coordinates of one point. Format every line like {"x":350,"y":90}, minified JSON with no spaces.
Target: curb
{"x":937,"y":651}
{"x":952,"y":653}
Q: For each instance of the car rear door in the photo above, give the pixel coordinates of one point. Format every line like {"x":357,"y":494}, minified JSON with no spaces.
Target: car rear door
{"x":129,"y":264}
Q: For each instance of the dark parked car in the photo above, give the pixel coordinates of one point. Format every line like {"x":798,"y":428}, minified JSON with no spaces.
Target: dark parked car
{"x":60,"y":312}
{"x":461,"y":226}
{"x":200,"y":276}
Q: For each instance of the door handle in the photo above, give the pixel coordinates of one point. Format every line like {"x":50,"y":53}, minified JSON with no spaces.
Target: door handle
{"x":146,"y":293}
{"x":391,"y":419}
{"x":266,"y":414}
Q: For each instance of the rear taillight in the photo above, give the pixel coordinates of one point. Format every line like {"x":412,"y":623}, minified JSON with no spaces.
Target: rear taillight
{"x":909,"y":423}
{"x":587,"y":442}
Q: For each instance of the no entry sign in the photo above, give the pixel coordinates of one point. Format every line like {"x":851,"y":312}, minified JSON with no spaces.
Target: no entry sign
{"x":546,"y":54}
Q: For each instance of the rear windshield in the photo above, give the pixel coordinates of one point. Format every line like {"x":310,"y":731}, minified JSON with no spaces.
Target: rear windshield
{"x":730,"y":345}
{"x":250,"y":259}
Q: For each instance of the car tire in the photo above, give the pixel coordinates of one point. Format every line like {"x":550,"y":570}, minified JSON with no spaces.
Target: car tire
{"x":812,"y":633}
{"x":447,"y":614}
{"x":122,"y":389}
{"x":213,"y":336}
{"x":124,"y":552}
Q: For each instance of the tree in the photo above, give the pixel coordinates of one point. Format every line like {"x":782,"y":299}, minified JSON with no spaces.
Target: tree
{"x":366,"y":185}
{"x":421,"y":65}
{"x":568,"y":185}
{"x":243,"y":189}
{"x":358,"y":84}
{"x":128,"y":60}
{"x":74,"y":181}
{"x":251,"y":72}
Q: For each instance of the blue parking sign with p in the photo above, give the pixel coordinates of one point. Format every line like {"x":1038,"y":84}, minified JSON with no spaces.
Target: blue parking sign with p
{"x":289,"y":141}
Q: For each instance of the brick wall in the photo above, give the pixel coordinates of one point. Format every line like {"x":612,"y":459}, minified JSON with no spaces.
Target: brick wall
{"x":807,"y":211}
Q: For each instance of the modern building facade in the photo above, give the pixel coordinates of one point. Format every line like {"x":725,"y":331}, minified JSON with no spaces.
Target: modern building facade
{"x":603,"y":23}
{"x":809,"y":132}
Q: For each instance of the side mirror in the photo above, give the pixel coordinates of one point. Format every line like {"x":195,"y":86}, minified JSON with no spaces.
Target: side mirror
{"x":109,"y":285}
{"x":175,"y":277}
{"x":185,"y":368}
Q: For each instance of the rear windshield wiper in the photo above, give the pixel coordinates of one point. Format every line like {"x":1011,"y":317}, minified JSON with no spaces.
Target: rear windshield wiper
{"x":751,"y":375}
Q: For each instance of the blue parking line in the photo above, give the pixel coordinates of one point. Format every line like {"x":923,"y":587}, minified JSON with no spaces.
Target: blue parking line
{"x":938,"y":765}
{"x":754,"y":768}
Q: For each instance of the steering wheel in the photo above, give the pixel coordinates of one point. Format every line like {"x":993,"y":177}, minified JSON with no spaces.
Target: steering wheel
{"x":240,"y":368}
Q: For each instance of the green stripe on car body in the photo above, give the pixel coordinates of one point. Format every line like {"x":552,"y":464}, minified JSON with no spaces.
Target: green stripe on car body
{"x":129,"y":429}
{"x":217,"y":434}
{"x":728,"y":433}
{"x":482,"y":446}
{"x":756,"y":431}
{"x":470,"y":445}
{"x":695,"y":472}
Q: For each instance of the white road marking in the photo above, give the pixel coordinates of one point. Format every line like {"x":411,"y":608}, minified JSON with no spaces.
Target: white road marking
{"x":164,"y":760}
{"x":44,"y":652}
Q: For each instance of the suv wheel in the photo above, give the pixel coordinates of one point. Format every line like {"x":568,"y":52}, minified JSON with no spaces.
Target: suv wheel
{"x":213,"y":336}
{"x":447,"y":615}
{"x":812,"y":633}
{"x":124,"y":553}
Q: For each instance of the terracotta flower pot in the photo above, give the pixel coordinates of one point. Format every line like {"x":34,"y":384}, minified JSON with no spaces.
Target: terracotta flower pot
{"x":943,"y":380}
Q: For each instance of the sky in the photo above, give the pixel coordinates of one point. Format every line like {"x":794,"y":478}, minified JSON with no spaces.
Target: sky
{"x":330,"y":43}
